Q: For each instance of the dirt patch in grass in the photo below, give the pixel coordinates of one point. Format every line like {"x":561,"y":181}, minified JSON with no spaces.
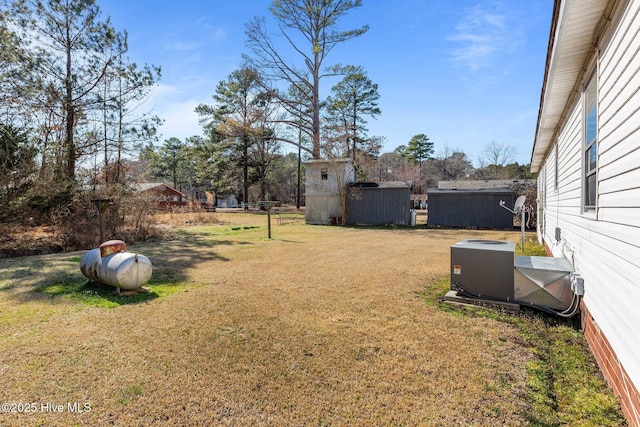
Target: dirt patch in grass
{"x":317,"y":326}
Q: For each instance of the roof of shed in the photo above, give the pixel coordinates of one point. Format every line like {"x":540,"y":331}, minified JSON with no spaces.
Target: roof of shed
{"x":485,"y":183}
{"x":470,"y":191}
{"x":383,"y":184}
{"x":394,"y":184}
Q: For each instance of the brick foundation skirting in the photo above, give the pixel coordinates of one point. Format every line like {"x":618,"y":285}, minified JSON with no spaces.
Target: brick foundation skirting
{"x":611,"y":368}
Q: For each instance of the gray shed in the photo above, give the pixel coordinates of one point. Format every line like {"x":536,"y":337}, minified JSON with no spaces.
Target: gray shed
{"x":378,"y":203}
{"x":468,"y":208}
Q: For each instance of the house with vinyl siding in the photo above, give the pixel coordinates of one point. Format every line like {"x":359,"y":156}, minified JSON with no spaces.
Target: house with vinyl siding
{"x":587,"y":155}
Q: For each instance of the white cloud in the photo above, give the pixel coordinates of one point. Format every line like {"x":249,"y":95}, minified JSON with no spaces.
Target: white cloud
{"x":180,"y":120}
{"x":161,"y":91}
{"x":181,"y":46}
{"x":219,"y":34}
{"x":482,"y":34}
{"x":169,"y":103}
{"x":204,"y":22}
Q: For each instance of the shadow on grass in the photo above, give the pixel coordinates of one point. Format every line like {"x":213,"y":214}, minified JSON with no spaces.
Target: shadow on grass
{"x":25,"y":273}
{"x":50,"y":276}
{"x":96,"y":294}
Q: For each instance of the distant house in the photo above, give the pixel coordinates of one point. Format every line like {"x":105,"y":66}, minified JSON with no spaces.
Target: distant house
{"x":419,"y":201}
{"x":162,"y":194}
{"x":587,"y":154}
{"x":228,"y":201}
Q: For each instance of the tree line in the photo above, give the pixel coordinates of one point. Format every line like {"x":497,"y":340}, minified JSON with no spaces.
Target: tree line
{"x":71,"y":129}
{"x":220,"y":166}
{"x":69,"y":96}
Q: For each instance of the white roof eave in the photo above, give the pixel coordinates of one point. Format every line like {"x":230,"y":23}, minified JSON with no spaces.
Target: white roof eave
{"x":572,"y":47}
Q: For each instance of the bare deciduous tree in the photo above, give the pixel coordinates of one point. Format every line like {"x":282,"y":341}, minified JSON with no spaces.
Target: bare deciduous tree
{"x":453,"y":164}
{"x":310,"y":29}
{"x":496,"y":154}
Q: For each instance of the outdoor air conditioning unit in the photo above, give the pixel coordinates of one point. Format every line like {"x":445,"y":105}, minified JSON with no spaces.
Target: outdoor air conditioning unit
{"x":488,"y":270}
{"x":483,"y":268}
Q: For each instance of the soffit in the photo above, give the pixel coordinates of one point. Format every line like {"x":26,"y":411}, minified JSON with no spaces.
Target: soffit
{"x":573,"y":43}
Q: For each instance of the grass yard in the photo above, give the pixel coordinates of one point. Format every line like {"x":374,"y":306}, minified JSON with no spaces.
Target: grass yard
{"x":318,"y":326}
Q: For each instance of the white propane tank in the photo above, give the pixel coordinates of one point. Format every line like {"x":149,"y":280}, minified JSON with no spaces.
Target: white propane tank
{"x":111,"y":265}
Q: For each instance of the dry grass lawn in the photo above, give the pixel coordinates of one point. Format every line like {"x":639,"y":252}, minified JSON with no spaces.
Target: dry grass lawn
{"x":318,"y":326}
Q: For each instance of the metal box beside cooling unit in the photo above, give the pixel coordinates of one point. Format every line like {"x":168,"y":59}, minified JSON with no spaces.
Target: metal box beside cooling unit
{"x":543,"y":281}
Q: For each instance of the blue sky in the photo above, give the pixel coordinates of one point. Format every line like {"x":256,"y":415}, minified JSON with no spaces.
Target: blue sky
{"x":463,"y":72}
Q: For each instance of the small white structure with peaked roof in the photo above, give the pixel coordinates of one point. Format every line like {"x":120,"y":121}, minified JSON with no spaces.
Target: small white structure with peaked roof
{"x":326,"y":185}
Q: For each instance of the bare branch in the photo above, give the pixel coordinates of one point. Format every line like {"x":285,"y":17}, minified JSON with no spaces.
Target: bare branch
{"x":315,"y":21}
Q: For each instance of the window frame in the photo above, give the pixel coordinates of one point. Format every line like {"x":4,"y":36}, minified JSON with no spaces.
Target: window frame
{"x":589,"y":152}
{"x":556,"y":168}
{"x":324,"y":174}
